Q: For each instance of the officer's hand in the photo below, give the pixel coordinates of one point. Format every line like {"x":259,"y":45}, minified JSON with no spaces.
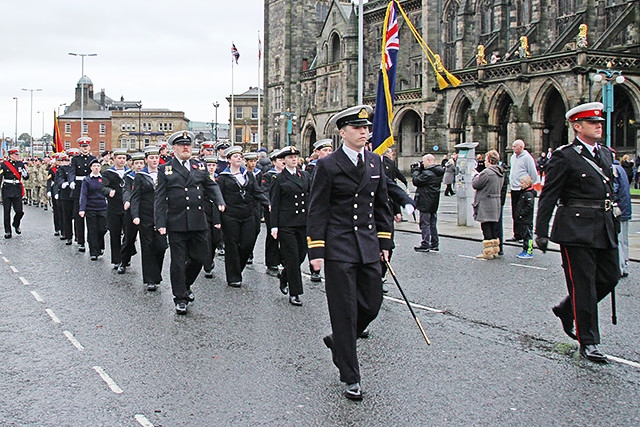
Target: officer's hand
{"x":542,"y":243}
{"x":112,"y":193}
{"x":316,"y":263}
{"x":221,"y":208}
{"x":384,"y":255}
{"x":126,"y":205}
{"x":72,"y":185}
{"x":162,"y":230}
{"x":136,"y":221}
{"x":81,"y":213}
{"x":397,"y":217}
{"x":218,"y":226}
{"x":274,"y":233}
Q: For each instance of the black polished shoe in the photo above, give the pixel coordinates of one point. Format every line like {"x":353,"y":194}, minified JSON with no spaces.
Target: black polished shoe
{"x":235,"y":284}
{"x":315,"y":277}
{"x":7,"y":235}
{"x":434,"y":249}
{"x":328,"y":341}
{"x":81,"y":248}
{"x":353,"y":391}
{"x":191,"y":296}
{"x":208,"y":274}
{"x":18,"y":231}
{"x":69,"y":242}
{"x":295,"y":300}
{"x":364,"y":334}
{"x":593,"y":353}
{"x":284,"y":287}
{"x":121,"y":268}
{"x":513,"y":239}
{"x":151,"y":287}
{"x":181,"y":308}
{"x":94,"y":258}
{"x":273,"y":270}
{"x":567,"y":322}
{"x":57,"y":233}
{"x":421,"y":249}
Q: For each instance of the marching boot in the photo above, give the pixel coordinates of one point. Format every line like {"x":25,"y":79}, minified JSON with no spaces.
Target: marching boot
{"x":496,"y":248}
{"x":487,"y":252}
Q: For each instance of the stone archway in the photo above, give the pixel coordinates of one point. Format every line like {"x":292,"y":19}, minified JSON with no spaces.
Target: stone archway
{"x":623,"y":122}
{"x":409,"y":135}
{"x":554,"y":133}
{"x":503,"y":118}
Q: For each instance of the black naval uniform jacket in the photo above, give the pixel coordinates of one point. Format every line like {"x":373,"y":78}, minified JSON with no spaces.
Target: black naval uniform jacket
{"x":142,"y":197}
{"x":78,"y":169}
{"x":181,"y":194}
{"x":574,"y":183}
{"x":349,"y":218}
{"x":112,"y":181}
{"x":12,"y":186}
{"x":289,"y":199}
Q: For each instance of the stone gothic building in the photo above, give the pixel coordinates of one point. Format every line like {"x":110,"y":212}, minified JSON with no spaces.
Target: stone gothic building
{"x":311,"y":50}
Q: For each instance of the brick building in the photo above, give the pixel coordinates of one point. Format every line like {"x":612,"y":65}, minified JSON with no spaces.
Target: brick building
{"x":245,"y":120}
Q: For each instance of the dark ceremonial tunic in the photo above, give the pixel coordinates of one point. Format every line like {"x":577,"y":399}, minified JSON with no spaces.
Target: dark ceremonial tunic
{"x":115,"y":210}
{"x":78,"y":169}
{"x":12,"y":192}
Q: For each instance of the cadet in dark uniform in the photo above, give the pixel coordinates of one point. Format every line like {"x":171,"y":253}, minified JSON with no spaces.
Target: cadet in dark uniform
{"x":321,"y":148}
{"x":349,"y":229}
{"x":222,"y":159}
{"x":289,"y":195}
{"x":93,"y":206}
{"x":251,"y":160}
{"x":12,"y":172}
{"x":213,"y":221}
{"x":580,"y":180}
{"x":79,"y":168}
{"x":52,"y":168}
{"x":128,"y":249}
{"x":112,"y":188}
{"x":183,"y":186}
{"x":240,"y":191}
{"x":62,"y":193}
{"x":152,"y":244}
{"x":271,"y":250}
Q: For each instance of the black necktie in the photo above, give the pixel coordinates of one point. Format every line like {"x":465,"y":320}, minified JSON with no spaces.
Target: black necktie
{"x":596,"y":155}
{"x":360,"y":165}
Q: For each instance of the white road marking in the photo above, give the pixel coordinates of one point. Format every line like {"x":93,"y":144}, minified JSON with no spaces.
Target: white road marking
{"x":52,"y":315}
{"x":23,"y":280}
{"x":6,"y":259}
{"x":107,"y":379}
{"x":36,"y":296}
{"x":625,"y":361}
{"x":73,"y":340}
{"x":14,"y":269}
{"x":414,"y":305}
{"x":528,"y":266}
{"x":143,"y":421}
{"x":471,"y":257}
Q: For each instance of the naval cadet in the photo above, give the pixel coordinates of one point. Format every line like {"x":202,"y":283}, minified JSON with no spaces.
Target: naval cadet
{"x":183,"y":187}
{"x":251,"y":163}
{"x":219,"y":147}
{"x":152,"y":244}
{"x":213,"y":221}
{"x":289,"y":195}
{"x":130,"y":234}
{"x":78,"y":170}
{"x":271,"y":249}
{"x":349,"y":230}
{"x":579,"y":180}
{"x":112,"y":188}
{"x":12,"y":172}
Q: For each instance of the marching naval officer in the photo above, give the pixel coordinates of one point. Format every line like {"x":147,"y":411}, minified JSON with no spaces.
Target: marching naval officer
{"x":78,"y":169}
{"x":349,"y":229}
{"x":580,"y":181}
{"x":183,"y":187}
{"x":12,"y":172}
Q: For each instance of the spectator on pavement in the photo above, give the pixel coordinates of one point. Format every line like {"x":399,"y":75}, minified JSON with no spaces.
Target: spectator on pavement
{"x":525,"y":216}
{"x":521,"y":165}
{"x":486,"y":204}
{"x":450,"y":175}
{"x":427,"y":177}
{"x":623,"y":199}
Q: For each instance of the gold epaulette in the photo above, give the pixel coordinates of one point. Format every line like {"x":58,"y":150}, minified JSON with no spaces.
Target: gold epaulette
{"x":384,"y":235}
{"x":314,"y":243}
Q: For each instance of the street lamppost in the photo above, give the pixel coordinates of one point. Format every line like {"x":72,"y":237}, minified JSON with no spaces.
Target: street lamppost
{"x":139,"y":105}
{"x":82,"y":55}
{"x":291,"y":117}
{"x":215,"y":105}
{"x":31,"y":116}
{"x":608,"y":78}
{"x":15,"y":141}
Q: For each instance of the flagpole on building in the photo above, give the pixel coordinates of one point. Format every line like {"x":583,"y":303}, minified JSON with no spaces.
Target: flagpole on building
{"x":360,"y":50}
{"x":259,"y":114}
{"x":232,"y":131}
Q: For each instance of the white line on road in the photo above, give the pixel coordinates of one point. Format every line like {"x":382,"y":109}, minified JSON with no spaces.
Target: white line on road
{"x":36,"y":296}
{"x":107,"y":379}
{"x":143,"y":421}
{"x":14,"y":269}
{"x":52,"y":315}
{"x":73,"y":340}
{"x":625,"y":361}
{"x":414,"y":305}
{"x":471,"y":257}
{"x":23,"y":280}
{"x":528,"y":266}
{"x":6,"y":259}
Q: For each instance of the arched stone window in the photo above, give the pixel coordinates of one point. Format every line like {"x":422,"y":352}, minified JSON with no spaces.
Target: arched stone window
{"x":450,"y":33}
{"x":523,"y":11}
{"x":486,"y":17}
{"x":335,"y":48}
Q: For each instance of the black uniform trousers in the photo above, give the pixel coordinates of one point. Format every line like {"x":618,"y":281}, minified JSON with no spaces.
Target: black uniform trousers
{"x":56,"y":207}
{"x":115,"y":224}
{"x":354,"y":297}
{"x":78,"y":222}
{"x":96,"y":229}
{"x":7,"y":203}
{"x":293,"y":250}
{"x":214,"y":237}
{"x":66,"y":212}
{"x":153,"y":246}
{"x":515,"y":198}
{"x":239,"y":239}
{"x":271,"y":251}
{"x":591,"y":275}
{"x":188,"y":254}
{"x":128,"y":248}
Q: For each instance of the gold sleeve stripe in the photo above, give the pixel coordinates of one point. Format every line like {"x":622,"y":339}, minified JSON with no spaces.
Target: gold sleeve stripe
{"x":384,"y":235}
{"x":315,"y":243}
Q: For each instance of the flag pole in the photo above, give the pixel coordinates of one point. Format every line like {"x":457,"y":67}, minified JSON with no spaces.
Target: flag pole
{"x":232,"y":131}
{"x":259,"y":114}
{"x":360,"y":51}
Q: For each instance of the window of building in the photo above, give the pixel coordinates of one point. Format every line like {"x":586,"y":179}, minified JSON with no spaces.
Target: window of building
{"x":486,"y":17}
{"x":335,"y":48}
{"x":238,"y":135}
{"x":67,"y":145}
{"x":450,"y":34}
{"x":278,"y":99}
{"x":146,"y":142}
{"x":123,"y":143}
{"x":102,"y":146}
{"x":132,"y":144}
{"x":238,"y":112}
{"x":85,"y":128}
{"x":417,"y":74}
{"x":67,"y":128}
{"x":254,"y":112}
{"x":103,"y":128}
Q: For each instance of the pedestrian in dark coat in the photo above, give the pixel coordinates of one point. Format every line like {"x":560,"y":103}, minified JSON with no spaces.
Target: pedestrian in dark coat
{"x":580,"y":183}
{"x":623,"y":201}
{"x":450,"y":170}
{"x":427,"y":178}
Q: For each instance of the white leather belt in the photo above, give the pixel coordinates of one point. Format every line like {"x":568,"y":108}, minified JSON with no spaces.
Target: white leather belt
{"x":79,"y":178}
{"x":12,"y":181}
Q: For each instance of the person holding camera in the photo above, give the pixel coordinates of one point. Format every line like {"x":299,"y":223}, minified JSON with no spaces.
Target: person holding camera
{"x":427,"y":176}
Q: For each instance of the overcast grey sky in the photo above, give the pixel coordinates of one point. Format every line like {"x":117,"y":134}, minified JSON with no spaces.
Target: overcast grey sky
{"x":166,"y":53}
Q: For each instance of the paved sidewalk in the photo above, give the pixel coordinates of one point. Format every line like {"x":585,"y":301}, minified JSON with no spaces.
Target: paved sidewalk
{"x":448,"y":224}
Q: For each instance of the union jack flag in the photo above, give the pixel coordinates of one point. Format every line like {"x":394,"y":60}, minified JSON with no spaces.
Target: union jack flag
{"x":393,"y":42}
{"x":234,"y":52}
